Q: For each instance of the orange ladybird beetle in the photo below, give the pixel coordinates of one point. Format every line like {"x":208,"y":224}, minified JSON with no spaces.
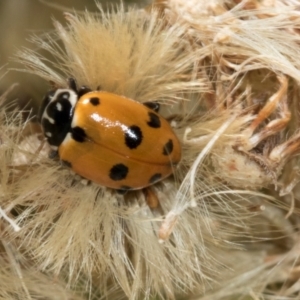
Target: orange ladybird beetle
{"x":109,"y":139}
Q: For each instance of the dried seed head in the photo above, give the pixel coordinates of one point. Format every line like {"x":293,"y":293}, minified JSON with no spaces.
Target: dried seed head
{"x":87,"y":231}
{"x":202,"y":67}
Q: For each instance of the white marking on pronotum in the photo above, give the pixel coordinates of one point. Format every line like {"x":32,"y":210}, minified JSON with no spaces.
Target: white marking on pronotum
{"x":47,"y":117}
{"x":58,"y":106}
{"x":48,"y":134}
{"x":72,"y":98}
{"x":70,"y":95}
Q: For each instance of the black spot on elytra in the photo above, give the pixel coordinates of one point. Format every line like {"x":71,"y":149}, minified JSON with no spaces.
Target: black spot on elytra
{"x":66,"y":163}
{"x":133,"y":137}
{"x":118,"y":172}
{"x":154,"y":178}
{"x":95,"y":101}
{"x":154,"y":120}
{"x":78,"y":134}
{"x":168,"y":148}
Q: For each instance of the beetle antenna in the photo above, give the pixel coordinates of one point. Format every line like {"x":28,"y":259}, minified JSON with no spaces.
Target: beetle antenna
{"x":72,"y":84}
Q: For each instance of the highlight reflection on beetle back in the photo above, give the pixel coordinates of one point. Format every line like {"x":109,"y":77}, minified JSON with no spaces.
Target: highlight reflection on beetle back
{"x":123,"y":125}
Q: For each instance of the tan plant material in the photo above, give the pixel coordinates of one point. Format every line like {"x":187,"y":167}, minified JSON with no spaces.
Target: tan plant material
{"x":226,"y":77}
{"x":253,"y":69}
{"x":81,"y":230}
{"x":20,"y":279}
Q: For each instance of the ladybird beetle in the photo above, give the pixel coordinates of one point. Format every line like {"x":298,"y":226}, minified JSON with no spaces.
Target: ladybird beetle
{"x":109,"y":139}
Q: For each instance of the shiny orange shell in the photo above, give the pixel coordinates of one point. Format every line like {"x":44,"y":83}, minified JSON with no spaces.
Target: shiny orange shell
{"x":119,"y":143}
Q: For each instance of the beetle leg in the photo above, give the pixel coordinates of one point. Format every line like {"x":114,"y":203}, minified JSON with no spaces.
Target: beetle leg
{"x":72,"y":84}
{"x":152,"y":105}
{"x":151,"y":197}
{"x":53,"y":154}
{"x":123,"y":191}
